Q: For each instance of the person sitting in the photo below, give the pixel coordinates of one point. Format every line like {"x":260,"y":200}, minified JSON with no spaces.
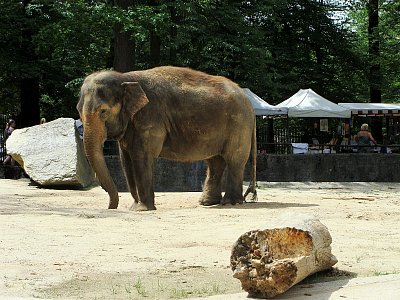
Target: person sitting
{"x":364,"y":139}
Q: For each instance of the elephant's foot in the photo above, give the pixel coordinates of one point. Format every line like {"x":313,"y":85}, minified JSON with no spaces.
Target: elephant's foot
{"x":231,"y":200}
{"x":113,"y":203}
{"x":140,"y":206}
{"x":208,"y":200}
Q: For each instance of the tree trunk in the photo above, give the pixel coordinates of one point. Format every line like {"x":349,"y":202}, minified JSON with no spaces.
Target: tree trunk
{"x":375,"y":79}
{"x":155,"y":42}
{"x":173,"y":35}
{"x":30,"y":109}
{"x":124,"y":44}
{"x":268,"y":262}
{"x":155,"y":49}
{"x":29,"y":86}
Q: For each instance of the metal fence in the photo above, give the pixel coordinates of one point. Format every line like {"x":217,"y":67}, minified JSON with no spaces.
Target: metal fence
{"x":282,"y":139}
{"x":3,"y":150}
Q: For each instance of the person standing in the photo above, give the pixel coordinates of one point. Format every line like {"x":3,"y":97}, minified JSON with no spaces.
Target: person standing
{"x":10,"y":126}
{"x":364,"y":139}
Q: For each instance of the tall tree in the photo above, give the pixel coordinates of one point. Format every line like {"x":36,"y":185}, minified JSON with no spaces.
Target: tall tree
{"x":374,"y":52}
{"x":155,"y":41}
{"x":29,"y":83}
{"x":19,"y":82}
{"x":375,"y":81}
{"x":173,"y":34}
{"x":124,"y":43}
{"x":389,"y":50}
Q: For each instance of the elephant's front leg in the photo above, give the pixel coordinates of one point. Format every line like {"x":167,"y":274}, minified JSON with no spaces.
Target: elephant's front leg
{"x":143,"y":173}
{"x":127,"y":165}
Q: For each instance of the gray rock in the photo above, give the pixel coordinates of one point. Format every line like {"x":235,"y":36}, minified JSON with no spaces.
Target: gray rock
{"x":52,"y":154}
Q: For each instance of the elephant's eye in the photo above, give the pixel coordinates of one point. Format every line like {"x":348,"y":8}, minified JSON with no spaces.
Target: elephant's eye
{"x":104,"y":114}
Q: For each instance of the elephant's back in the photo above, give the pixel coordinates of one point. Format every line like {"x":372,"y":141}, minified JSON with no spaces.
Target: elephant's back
{"x":177,"y":87}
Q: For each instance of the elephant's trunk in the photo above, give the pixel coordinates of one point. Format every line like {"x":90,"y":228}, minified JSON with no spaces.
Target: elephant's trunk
{"x":94,"y":137}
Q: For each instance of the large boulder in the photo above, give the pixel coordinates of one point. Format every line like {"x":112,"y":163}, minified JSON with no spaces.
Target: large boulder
{"x":52,"y":154}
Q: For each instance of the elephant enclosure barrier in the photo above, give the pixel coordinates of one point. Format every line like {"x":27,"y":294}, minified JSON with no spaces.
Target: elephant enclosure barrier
{"x":170,"y":176}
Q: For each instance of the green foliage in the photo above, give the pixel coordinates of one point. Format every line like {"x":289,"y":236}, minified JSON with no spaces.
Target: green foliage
{"x":389,"y":38}
{"x":273,"y":47}
{"x":75,"y":42}
{"x":14,"y":61}
{"x":390,"y":49}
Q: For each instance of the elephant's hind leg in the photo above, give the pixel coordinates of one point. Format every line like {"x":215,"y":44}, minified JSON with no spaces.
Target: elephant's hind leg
{"x":234,"y":183}
{"x":212,"y":187}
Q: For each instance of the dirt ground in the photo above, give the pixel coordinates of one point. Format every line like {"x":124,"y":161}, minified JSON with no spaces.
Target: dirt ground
{"x":65,"y":244}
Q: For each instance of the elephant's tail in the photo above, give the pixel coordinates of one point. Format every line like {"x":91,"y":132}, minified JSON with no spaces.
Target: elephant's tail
{"x":253,"y":181}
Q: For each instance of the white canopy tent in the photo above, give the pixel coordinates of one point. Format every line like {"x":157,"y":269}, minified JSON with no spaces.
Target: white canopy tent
{"x":373,"y":109}
{"x":261,"y":107}
{"x":308,"y":104}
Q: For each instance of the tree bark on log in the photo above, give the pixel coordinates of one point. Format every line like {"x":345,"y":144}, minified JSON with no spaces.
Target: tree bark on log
{"x":268,"y":262}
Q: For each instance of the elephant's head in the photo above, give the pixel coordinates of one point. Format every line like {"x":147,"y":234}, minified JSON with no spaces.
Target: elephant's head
{"x":108,"y":102}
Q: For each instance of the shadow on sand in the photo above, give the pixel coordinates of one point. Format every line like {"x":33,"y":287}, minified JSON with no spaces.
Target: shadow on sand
{"x":319,"y":286}
{"x":260,"y":205}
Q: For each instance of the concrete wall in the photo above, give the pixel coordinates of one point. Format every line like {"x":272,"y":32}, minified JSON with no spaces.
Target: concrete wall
{"x":168,"y":176}
{"x":368,"y":167}
{"x":185,"y":177}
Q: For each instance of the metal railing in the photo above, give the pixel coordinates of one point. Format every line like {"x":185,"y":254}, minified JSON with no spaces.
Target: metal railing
{"x":288,"y":148}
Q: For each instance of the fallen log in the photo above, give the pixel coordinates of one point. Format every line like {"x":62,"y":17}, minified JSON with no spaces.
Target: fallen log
{"x":268,"y":262}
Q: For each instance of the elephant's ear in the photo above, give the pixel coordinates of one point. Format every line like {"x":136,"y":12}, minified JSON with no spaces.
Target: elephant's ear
{"x":135,"y":98}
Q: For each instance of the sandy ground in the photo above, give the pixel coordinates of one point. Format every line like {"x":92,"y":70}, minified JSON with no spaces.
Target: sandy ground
{"x":65,"y":244}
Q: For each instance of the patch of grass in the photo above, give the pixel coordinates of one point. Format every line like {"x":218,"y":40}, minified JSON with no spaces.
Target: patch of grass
{"x":383,"y":273}
{"x":140,"y":289}
{"x":179,"y":294}
{"x":181,"y":284}
{"x":114,"y":290}
{"x":128,"y":288}
{"x":182,"y":293}
{"x":214,"y":290}
{"x":160,"y":287}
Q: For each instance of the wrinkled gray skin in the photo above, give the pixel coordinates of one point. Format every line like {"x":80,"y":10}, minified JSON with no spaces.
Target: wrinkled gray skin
{"x":174,"y":113}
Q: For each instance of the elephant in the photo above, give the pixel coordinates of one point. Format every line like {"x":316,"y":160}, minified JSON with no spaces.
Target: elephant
{"x":171,"y":112}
